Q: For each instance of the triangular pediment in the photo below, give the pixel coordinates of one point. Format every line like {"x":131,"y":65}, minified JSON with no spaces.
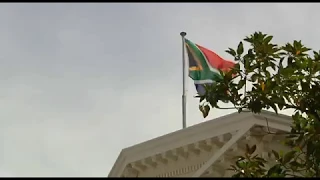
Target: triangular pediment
{"x":186,"y":152}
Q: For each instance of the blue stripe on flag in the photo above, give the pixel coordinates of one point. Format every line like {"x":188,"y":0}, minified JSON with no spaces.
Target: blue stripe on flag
{"x":200,"y":88}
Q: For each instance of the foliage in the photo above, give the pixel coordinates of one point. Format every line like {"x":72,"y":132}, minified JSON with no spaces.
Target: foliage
{"x":278,"y":77}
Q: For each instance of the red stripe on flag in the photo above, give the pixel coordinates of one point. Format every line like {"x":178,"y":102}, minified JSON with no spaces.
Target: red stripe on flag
{"x":213,"y":59}
{"x":227,"y":65}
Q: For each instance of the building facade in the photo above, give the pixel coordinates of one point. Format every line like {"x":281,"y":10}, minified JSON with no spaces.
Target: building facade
{"x":206,"y":149}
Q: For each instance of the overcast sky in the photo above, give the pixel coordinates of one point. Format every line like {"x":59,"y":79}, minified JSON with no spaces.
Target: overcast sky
{"x":80,"y":82}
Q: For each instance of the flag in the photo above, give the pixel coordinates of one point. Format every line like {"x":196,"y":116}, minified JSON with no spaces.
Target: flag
{"x":204,"y":65}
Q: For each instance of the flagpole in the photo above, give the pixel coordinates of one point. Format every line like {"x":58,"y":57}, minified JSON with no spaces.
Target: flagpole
{"x":184,"y":99}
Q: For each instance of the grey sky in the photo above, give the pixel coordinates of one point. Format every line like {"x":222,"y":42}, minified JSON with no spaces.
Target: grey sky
{"x":80,"y":82}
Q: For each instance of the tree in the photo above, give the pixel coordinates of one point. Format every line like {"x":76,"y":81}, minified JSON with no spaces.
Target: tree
{"x":278,"y":77}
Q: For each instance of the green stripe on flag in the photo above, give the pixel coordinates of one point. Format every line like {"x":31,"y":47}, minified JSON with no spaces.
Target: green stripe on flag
{"x":205,"y":71}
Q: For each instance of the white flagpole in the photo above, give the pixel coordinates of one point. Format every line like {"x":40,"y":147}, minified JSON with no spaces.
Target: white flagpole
{"x":184,"y":99}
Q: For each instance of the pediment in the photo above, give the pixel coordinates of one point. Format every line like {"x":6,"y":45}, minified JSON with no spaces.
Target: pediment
{"x":183,"y":152}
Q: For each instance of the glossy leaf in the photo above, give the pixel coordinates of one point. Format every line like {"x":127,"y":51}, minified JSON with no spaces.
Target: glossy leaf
{"x":278,"y":77}
{"x":240,"y":48}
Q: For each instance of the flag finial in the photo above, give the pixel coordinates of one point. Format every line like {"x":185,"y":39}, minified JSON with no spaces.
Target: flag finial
{"x":183,"y":34}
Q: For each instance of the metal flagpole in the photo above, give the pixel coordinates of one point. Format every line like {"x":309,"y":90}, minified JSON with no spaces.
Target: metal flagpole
{"x":184,"y":99}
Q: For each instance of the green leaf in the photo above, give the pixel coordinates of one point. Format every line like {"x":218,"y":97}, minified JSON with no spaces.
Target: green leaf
{"x":241,"y":84}
{"x":293,"y":85}
{"x":297,"y":44}
{"x":231,"y":52}
{"x":280,"y":106}
{"x":249,"y":39}
{"x":205,"y":110}
{"x":288,"y":157}
{"x":275,"y":171}
{"x":260,"y":163}
{"x":290,"y":60}
{"x":247,"y":62}
{"x":254,"y":77}
{"x":281,"y":153}
{"x":268,"y":39}
{"x":276,"y":155}
{"x":233,"y":166}
{"x":202,"y":98}
{"x":261,"y":159}
{"x":274,"y":107}
{"x":240,"y":48}
{"x":247,"y":148}
{"x":280,"y":62}
{"x":304,"y":86}
{"x":252,"y":149}
{"x":230,"y":169}
{"x":294,"y":165}
{"x":238,"y":175}
{"x":240,"y":164}
{"x":236,"y":67}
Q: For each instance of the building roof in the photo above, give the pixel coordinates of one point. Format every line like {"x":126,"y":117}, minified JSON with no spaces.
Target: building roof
{"x":212,"y":133}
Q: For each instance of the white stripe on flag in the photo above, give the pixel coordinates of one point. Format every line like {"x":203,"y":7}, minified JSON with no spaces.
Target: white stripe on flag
{"x":205,"y":81}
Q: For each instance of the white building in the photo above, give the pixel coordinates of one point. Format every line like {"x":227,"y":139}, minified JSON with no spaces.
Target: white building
{"x":206,"y":149}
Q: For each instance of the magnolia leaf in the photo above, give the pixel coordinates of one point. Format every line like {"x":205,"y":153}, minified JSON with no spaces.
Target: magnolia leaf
{"x":205,"y":110}
{"x":276,"y":155}
{"x":288,"y":157}
{"x":231,"y":52}
{"x":268,"y":39}
{"x":252,"y":149}
{"x":240,"y":48}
